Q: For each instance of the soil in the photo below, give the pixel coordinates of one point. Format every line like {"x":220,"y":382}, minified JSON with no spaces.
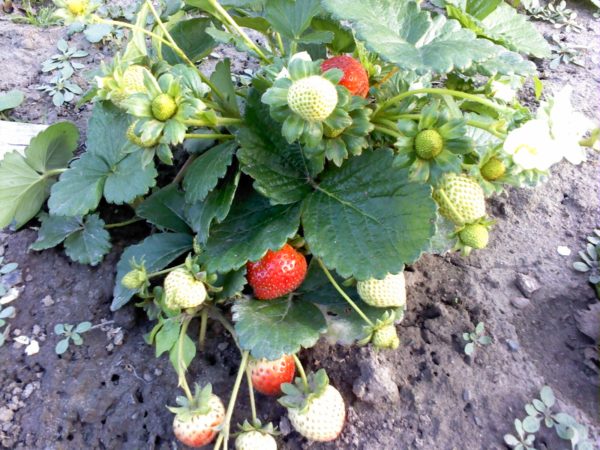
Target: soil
{"x":111,"y":392}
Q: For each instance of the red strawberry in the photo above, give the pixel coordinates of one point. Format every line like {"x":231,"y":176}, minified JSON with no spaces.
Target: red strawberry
{"x":197,"y":420}
{"x":355,"y":77}
{"x":277,"y":273}
{"x":268,"y":376}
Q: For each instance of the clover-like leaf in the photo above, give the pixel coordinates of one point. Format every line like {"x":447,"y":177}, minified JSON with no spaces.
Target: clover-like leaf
{"x":366,"y":219}
{"x":157,"y":251}
{"x":11,"y":99}
{"x":278,"y":168}
{"x":204,"y":173}
{"x":401,"y":33}
{"x":290,"y":17}
{"x":252,"y":227}
{"x":105,"y":169}
{"x":25,"y":180}
{"x":270,"y":329}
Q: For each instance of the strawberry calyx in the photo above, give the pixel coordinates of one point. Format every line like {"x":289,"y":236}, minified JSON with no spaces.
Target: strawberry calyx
{"x":382,"y":334}
{"x":300,"y":394}
{"x":77,"y":7}
{"x":256,"y":425}
{"x":186,"y":408}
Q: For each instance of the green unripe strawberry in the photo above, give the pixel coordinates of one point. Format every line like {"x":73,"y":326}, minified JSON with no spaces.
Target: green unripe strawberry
{"x":137,"y":140}
{"x":474,"y":236}
{"x":428,"y":144}
{"x":163,"y":107}
{"x":386,"y":337}
{"x":493,"y":169}
{"x":134,"y":279}
{"x":182,"y":290}
{"x":313,"y":98}
{"x":460,"y":199}
{"x":77,"y":7}
{"x":387,"y":293}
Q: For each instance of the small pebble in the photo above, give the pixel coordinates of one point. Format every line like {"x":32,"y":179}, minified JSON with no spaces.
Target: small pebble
{"x":527,"y":284}
{"x":520,"y":302}
{"x":466,"y":395}
{"x":563,"y":251}
{"x":512,"y":345}
{"x":47,"y":301}
{"x":223,"y":346}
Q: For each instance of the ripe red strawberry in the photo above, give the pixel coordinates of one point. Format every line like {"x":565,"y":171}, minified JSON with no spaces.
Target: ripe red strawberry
{"x":197,"y":421}
{"x":277,"y":273}
{"x":355,"y":77}
{"x":268,"y":376}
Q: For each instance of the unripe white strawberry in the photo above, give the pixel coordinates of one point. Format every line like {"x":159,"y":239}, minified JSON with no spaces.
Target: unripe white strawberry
{"x":313,"y":98}
{"x":182,"y":290}
{"x":387,"y":293}
{"x":460,"y":199}
{"x":255,"y":440}
{"x":323,"y":419}
{"x":199,"y":429}
{"x":133,"y":79}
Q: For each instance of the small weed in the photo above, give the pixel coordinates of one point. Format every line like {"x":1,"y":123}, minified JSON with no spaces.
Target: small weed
{"x":71,"y":333}
{"x":557,"y":14}
{"x":541,"y":410}
{"x":42,"y":17}
{"x":590,"y":260}
{"x":63,"y":61}
{"x":61,"y":90}
{"x":6,"y":312}
{"x":476,"y":338}
{"x":563,"y":53}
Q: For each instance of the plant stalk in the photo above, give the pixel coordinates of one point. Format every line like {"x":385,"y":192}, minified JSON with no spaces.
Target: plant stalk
{"x":300,"y":368}
{"x":224,"y":434}
{"x":180,"y":370}
{"x":343,"y":294}
{"x":203,"y":325}
{"x":208,"y":136}
{"x":164,"y":271}
{"x":122,"y":224}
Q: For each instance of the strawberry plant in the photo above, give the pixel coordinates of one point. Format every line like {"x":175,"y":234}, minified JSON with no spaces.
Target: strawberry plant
{"x":286,"y":207}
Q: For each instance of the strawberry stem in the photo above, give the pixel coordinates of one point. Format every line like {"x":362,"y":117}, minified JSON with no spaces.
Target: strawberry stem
{"x":343,"y":294}
{"x":231,"y":22}
{"x":164,"y":271}
{"x":441,"y":91}
{"x":108,"y":226}
{"x":387,"y":131}
{"x":224,"y":434}
{"x":251,"y":394}
{"x":181,"y":53}
{"x":300,"y":370}
{"x":203,"y":324}
{"x":180,"y":368}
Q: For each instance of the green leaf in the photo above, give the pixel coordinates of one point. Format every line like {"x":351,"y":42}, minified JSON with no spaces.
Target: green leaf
{"x":252,"y":227}
{"x":270,"y":329}
{"x":89,"y":244}
{"x":278,"y":168}
{"x":166,"y":209}
{"x":191,"y":37}
{"x":343,"y":41}
{"x":206,"y":171}
{"x":366,"y":219}
{"x":86,"y":241}
{"x":291,"y":18}
{"x":157,"y":251}
{"x":469,"y":349}
{"x":187,"y":354}
{"x":105,"y":168}
{"x":96,"y":32}
{"x":232,"y":283}
{"x":167,"y":337}
{"x":62,"y":346}
{"x":25,"y":181}
{"x":480,"y":9}
{"x":215,"y":206}
{"x":506,"y":27}
{"x":11,"y":99}
{"x":221,"y":78}
{"x":401,"y":33}
{"x":83,"y":327}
